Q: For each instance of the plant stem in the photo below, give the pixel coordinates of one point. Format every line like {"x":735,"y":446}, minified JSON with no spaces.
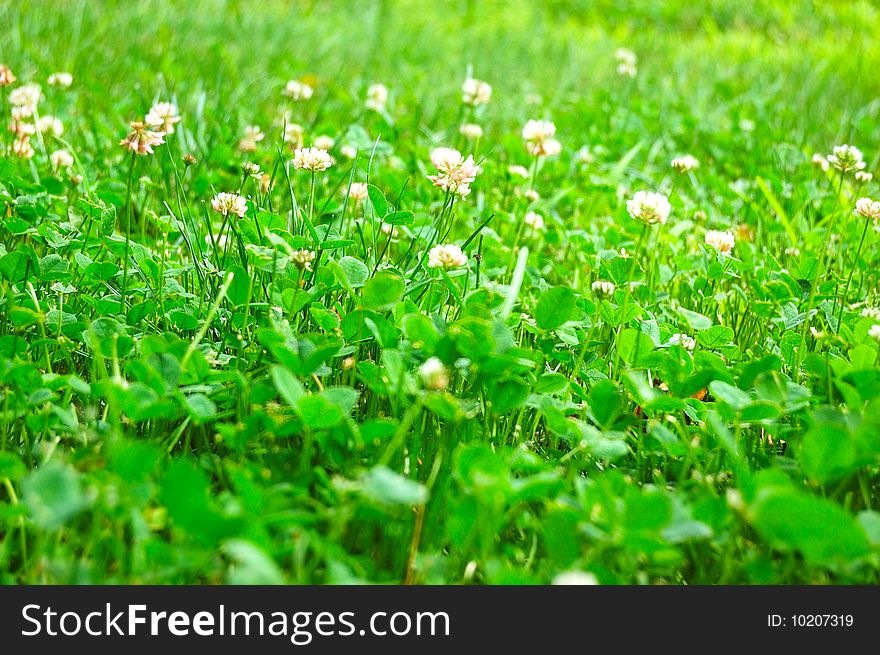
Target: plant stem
{"x":849,"y":278}
{"x":128,"y":216}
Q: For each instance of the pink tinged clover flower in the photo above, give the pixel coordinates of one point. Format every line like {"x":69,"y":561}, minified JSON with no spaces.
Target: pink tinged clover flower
{"x":141,"y":140}
{"x":456,"y":173}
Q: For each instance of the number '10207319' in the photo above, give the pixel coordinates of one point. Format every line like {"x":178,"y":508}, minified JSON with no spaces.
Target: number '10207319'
{"x":810,"y":621}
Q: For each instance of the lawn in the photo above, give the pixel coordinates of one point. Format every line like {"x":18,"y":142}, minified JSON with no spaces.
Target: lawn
{"x":464,"y":293}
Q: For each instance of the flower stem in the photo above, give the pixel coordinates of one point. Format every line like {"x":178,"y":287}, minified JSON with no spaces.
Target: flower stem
{"x":852,"y":270}
{"x":128,"y":215}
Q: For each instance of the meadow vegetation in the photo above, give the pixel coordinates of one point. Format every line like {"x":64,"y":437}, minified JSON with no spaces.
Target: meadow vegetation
{"x":480,"y":292}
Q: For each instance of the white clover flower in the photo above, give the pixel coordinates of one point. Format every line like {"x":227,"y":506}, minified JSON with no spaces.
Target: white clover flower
{"x":26,"y":95}
{"x":538,"y":137}
{"x":874,"y":333}
{"x":820,"y":162}
{"x":534,"y":220}
{"x":471,"y":130}
{"x":324,"y":142}
{"x":792,"y":251}
{"x":535,"y":130}
{"x":548,"y":148}
{"x":683,"y":340}
{"x":389,"y":230}
{"x":302,"y":259}
{"x":61,"y":159}
{"x":723,"y":242}
{"x":649,"y":207}
{"x":377,"y":97}
{"x":867,"y":208}
{"x":531,"y":195}
{"x":229,"y":203}
{"x":141,"y":140}
{"x":7,"y":77}
{"x":579,"y":578}
{"x":358,"y":191}
{"x":22,"y":129}
{"x":446,"y":256}
{"x":433,"y":374}
{"x":348,"y":151}
{"x":50,"y":126}
{"x":61,"y":79}
{"x":293,"y":135}
{"x":516,"y":170}
{"x":625,"y":69}
{"x":584,"y":155}
{"x":475,"y":92}
{"x":163,"y":116}
{"x":456,"y":172}
{"x":863,"y":177}
{"x":685,"y":163}
{"x":626,"y":56}
{"x":871,"y":312}
{"x":312,"y":159}
{"x":251,"y":169}
{"x":603,"y":288}
{"x":296,"y":90}
{"x":22,"y":148}
{"x":252,"y":136}
{"x":21,"y":113}
{"x":626,"y":62}
{"x":846,"y":158}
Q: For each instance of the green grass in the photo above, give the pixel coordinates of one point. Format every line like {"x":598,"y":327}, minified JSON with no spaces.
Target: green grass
{"x":181,"y":403}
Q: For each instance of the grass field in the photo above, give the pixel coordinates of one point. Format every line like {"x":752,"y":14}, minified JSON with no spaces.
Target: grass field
{"x":609,"y":316}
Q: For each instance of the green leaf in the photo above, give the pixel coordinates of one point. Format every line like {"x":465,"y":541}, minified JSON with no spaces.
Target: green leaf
{"x":287,"y":385}
{"x":377,"y":199}
{"x":356,"y":272}
{"x":760,"y":410}
{"x":818,"y":528}
{"x":727,"y":393}
{"x":715,"y":337}
{"x":404,"y":217}
{"x":420,"y":331}
{"x":385,"y":487}
{"x":828,"y":451}
{"x":383,"y":290}
{"x":560,"y":525}
{"x":344,"y":397}
{"x":185,"y":493}
{"x":694,"y":320}
{"x":605,"y":403}
{"x":200,"y":407}
{"x":555,"y":307}
{"x":53,"y":267}
{"x":508,"y":395}
{"x":251,"y":565}
{"x":11,"y":466}
{"x":646,"y":511}
{"x":53,"y":494}
{"x":134,"y":461}
{"x":318,"y":413}
{"x":14,"y":266}
{"x":479,"y":468}
{"x":633,"y":345}
{"x":107,"y":337}
{"x":102,"y":270}
{"x":326,"y":318}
